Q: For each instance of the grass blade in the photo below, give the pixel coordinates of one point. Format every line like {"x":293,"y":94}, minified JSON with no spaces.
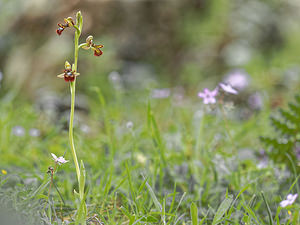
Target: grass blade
{"x":268,"y":209}
{"x":194,"y":213}
{"x":222,"y":209}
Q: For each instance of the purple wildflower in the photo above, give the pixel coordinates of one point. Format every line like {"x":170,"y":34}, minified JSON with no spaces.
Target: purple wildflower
{"x":59,"y":160}
{"x":227,"y":88}
{"x":208,"y":96}
{"x":238,"y":79}
{"x":255,"y":101}
{"x":290,"y":199}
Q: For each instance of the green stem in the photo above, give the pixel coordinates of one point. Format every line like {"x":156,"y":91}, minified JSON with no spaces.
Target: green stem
{"x":227,"y":128}
{"x":72,"y":88}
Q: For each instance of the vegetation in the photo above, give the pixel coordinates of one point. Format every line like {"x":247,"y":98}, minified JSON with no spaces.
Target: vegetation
{"x":163,"y":138}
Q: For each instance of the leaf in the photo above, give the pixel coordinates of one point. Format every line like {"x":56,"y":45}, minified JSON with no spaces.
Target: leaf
{"x":152,"y":194}
{"x":222,"y":209}
{"x":41,"y":188}
{"x":268,"y":209}
{"x":82,"y":211}
{"x":251,"y":213}
{"x":194,"y":213}
{"x":82,"y":179}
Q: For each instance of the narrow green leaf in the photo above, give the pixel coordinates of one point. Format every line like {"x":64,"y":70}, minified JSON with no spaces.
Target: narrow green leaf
{"x":152,"y":194}
{"x":268,"y":209}
{"x":173,"y":199}
{"x":251,"y":213}
{"x":41,"y":188}
{"x":132,"y":190}
{"x":82,"y":211}
{"x":203,"y":219}
{"x":222,"y":209}
{"x":194,"y":213}
{"x":149,"y":115}
{"x":82,"y":180}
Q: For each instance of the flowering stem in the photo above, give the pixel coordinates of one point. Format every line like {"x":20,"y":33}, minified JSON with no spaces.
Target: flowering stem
{"x":199,"y":141}
{"x":227,"y":128}
{"x":72,"y":88}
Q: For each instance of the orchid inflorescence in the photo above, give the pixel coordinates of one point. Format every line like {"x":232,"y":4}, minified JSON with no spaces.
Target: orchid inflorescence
{"x":69,"y":73}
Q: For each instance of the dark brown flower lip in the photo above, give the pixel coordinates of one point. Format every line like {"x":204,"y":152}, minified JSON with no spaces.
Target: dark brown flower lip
{"x":98,"y":52}
{"x":61,"y":28}
{"x":68,"y":74}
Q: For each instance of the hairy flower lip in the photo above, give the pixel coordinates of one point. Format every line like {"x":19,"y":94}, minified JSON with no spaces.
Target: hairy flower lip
{"x":98,"y":52}
{"x":61,"y":28}
{"x":68,"y":75}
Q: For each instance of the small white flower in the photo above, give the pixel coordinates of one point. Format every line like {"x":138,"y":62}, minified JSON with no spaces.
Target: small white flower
{"x":85,"y":128}
{"x":129,"y":125}
{"x":141,"y":158}
{"x":227,"y":88}
{"x":290,"y":199}
{"x":33,"y":132}
{"x":18,"y":131}
{"x":60,"y":160}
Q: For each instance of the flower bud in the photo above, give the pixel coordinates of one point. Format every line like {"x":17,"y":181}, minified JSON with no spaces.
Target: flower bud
{"x":79,"y":20}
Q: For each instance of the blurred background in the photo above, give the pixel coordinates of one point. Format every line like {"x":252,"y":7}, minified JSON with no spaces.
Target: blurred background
{"x":162,"y":49}
{"x":150,"y":43}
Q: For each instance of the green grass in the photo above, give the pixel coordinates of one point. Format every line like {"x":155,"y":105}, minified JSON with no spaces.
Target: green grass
{"x":171,"y":167}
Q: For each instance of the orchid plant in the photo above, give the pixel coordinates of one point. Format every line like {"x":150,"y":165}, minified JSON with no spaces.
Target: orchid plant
{"x":70,"y":74}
